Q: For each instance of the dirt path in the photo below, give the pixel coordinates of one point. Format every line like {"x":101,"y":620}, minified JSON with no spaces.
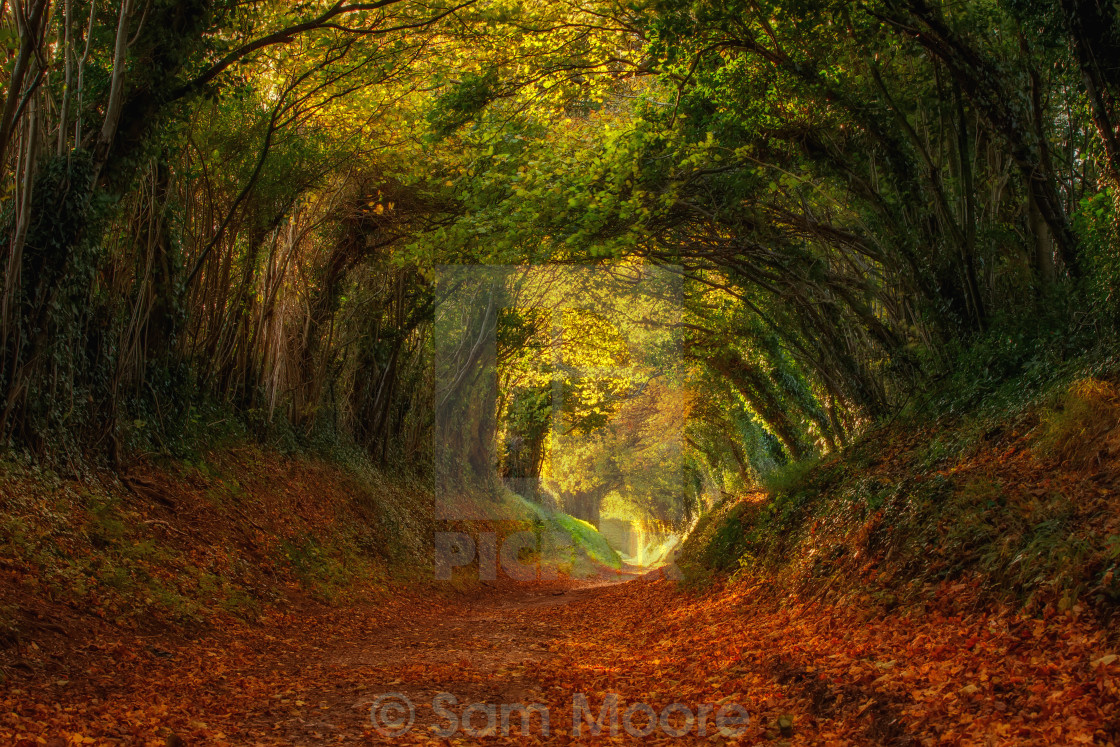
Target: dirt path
{"x":487,"y":648}
{"x":306,"y":676}
{"x":946,"y":672}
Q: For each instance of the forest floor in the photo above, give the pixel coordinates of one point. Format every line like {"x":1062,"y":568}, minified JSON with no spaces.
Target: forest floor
{"x":950,"y":671}
{"x":216,"y":603}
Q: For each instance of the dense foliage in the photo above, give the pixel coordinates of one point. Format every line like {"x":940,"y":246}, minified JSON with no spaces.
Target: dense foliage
{"x":223,"y":210}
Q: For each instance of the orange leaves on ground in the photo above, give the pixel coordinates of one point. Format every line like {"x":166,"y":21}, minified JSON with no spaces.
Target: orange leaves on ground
{"x":948,"y":672}
{"x":943,"y":674}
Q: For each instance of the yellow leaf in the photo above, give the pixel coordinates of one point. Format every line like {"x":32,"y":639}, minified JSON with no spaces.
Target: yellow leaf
{"x":1105,"y":660}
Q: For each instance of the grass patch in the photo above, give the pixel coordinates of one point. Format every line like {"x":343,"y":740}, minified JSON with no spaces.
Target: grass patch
{"x":573,"y":545}
{"x":1082,"y":428}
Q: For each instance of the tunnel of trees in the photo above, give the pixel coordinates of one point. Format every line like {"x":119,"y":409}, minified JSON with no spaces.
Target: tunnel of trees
{"x":220,"y":208}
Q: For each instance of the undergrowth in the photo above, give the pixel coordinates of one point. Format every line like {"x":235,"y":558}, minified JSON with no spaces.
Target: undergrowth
{"x":1021,"y":500}
{"x":226,"y":532}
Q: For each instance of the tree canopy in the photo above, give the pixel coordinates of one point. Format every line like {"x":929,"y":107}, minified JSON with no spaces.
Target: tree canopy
{"x":216,"y":207}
